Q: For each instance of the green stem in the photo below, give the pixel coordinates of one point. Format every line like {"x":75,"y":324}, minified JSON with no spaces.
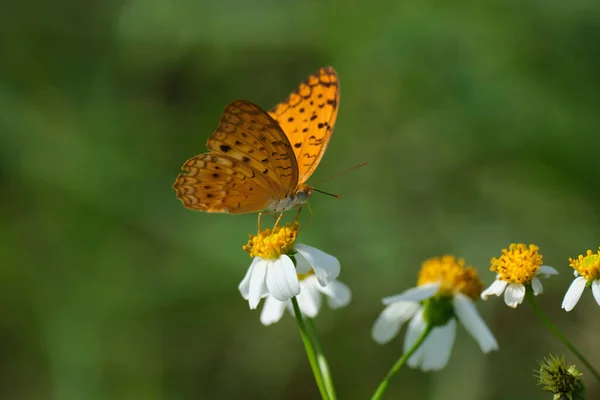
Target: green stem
{"x":384,"y":384}
{"x":310,"y":352}
{"x":323,"y":365}
{"x":558,"y":334}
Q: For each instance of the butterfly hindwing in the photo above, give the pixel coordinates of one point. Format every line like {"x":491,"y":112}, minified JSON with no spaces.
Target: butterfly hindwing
{"x":218,"y":183}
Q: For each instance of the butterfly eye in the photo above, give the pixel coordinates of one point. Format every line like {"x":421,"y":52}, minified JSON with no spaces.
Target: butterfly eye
{"x":301,"y":195}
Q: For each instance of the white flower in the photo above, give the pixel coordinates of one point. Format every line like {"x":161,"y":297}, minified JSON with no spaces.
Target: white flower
{"x":587,"y":273}
{"x":517,"y":267}
{"x":456,"y":285}
{"x":278,"y":277}
{"x":435,"y":351}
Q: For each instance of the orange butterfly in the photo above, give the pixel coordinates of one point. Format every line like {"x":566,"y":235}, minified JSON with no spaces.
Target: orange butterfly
{"x":259,"y":161}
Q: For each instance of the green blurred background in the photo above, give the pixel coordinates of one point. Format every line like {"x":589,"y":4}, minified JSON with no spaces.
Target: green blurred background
{"x":480,"y":124}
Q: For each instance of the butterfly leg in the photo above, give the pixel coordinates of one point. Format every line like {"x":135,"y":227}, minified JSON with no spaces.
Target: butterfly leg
{"x":260,"y":214}
{"x":310,"y":211}
{"x":278,"y":219}
{"x":298,"y":214}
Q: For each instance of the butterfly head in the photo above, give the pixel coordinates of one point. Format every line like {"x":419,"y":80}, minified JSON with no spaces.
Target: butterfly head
{"x":303,"y":193}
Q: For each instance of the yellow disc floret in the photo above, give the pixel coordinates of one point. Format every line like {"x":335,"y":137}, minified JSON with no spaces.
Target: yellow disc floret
{"x":453,"y":276}
{"x":588,"y":266}
{"x":272,"y":243}
{"x":518,"y":264}
{"x":302,"y":277}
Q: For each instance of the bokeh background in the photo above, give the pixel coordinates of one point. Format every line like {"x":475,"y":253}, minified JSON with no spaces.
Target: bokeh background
{"x":480,"y":124}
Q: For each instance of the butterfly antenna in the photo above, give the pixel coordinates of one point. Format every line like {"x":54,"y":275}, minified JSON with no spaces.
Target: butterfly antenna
{"x":337,"y":196}
{"x":343,"y":172}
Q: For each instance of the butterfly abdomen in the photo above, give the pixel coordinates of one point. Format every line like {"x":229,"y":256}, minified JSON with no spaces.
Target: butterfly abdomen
{"x":281,"y":205}
{"x":300,"y":197}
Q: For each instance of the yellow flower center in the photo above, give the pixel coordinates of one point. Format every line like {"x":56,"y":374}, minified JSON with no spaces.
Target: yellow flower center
{"x":453,"y":276}
{"x":588,"y":266}
{"x":518,"y":264}
{"x":301,"y":277}
{"x":272,"y":243}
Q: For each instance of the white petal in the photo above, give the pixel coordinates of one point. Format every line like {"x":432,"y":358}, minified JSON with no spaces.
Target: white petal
{"x":244,"y":286}
{"x":575,"y":273}
{"x":390,"y":321}
{"x":257,"y":283}
{"x":596,"y":290}
{"x":282,"y":280}
{"x":467,"y":314}
{"x":272,"y":311}
{"x":415,"y":294}
{"x":302,"y":265}
{"x":536,"y":285}
{"x":338,"y":294}
{"x":546,"y":271}
{"x":496,"y":289}
{"x":326,"y":266}
{"x":574,"y":293}
{"x":514,"y":294}
{"x":438,"y":347}
{"x":416,"y":326}
{"x":309,"y":299}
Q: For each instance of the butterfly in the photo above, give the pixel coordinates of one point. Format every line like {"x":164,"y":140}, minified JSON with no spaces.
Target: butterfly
{"x":259,"y":161}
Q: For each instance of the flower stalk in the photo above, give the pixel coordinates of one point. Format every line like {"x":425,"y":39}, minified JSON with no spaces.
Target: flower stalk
{"x":310,"y":352}
{"x":531,"y":298}
{"x":400,"y":363}
{"x":323,"y":365}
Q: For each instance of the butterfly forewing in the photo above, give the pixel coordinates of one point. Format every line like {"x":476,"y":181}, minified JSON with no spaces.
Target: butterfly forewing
{"x":248,"y":134}
{"x":307,"y":118}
